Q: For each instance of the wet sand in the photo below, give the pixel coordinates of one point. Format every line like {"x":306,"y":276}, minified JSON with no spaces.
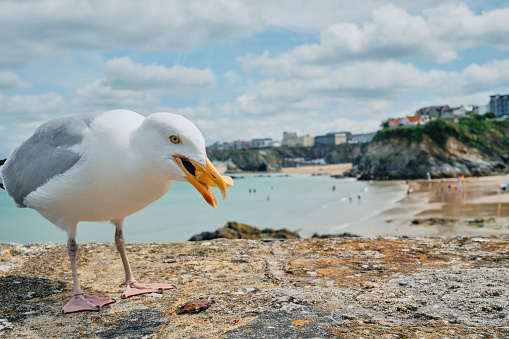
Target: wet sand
{"x":336,"y":169}
{"x":445,"y":207}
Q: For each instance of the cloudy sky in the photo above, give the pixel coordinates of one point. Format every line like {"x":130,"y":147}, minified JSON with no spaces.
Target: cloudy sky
{"x":247,"y":69}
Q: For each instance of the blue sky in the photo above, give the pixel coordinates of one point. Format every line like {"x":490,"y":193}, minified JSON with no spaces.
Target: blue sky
{"x":248,"y":69}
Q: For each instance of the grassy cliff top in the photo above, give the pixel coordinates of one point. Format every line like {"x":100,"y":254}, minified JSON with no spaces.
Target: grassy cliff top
{"x":479,"y":131}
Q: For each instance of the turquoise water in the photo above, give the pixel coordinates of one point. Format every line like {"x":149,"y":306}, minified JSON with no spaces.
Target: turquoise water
{"x":301,"y":203}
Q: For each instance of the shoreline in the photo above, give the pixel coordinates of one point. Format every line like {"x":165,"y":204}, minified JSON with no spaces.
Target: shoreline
{"x":444,"y":207}
{"x":335,"y":169}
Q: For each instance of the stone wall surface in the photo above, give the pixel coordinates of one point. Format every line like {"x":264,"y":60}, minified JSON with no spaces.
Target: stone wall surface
{"x":382,"y":287}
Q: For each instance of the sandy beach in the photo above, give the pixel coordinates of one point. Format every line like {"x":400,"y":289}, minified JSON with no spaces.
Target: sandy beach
{"x":336,"y":169}
{"x":445,"y":207}
{"x":471,"y":206}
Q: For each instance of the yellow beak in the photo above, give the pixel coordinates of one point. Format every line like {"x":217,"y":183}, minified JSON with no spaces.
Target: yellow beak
{"x":203,"y":177}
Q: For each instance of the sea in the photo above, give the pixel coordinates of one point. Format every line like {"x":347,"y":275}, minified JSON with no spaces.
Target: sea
{"x":298,"y":202}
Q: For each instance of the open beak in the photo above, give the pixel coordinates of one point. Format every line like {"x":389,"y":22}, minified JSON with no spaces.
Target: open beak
{"x":203,"y":177}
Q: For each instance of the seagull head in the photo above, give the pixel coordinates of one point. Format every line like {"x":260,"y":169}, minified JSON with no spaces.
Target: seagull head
{"x":176,"y":147}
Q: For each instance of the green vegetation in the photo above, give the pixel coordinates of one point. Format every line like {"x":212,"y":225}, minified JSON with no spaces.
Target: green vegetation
{"x":480,"y":131}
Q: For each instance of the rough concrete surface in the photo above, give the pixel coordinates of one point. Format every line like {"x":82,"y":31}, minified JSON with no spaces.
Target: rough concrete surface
{"x":384,"y":287}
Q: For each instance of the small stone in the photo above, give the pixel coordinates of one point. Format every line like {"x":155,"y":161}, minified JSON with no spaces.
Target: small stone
{"x":194,"y":306}
{"x":206,"y":243}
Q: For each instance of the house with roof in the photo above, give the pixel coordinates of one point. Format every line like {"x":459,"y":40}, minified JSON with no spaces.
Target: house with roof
{"x":410,"y":121}
{"x":435,"y":111}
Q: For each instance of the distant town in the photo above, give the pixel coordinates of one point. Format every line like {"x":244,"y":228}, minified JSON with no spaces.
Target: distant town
{"x":499,"y":105}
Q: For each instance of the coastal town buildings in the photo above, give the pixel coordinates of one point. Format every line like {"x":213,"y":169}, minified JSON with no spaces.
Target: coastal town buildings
{"x":290,"y":139}
{"x":307,"y":141}
{"x":432,"y":111}
{"x":334,"y":138}
{"x":446,"y":112}
{"x":410,"y":121}
{"x":259,"y":143}
{"x":499,"y":104}
{"x":237,"y":144}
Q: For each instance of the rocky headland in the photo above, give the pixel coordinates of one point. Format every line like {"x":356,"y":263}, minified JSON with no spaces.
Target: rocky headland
{"x":273,"y":159}
{"x":473,"y":146}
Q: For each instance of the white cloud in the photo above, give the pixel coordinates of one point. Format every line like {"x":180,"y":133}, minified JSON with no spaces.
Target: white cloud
{"x":365,"y":82}
{"x":320,"y":14}
{"x":22,"y":107}
{"x":391,"y":34}
{"x":232,"y":78}
{"x":489,"y":76}
{"x":31,"y":29}
{"x":459,"y":26}
{"x":133,"y":85}
{"x":188,"y":112}
{"x":123,"y":73}
{"x":9,"y":80}
{"x":98,"y":95}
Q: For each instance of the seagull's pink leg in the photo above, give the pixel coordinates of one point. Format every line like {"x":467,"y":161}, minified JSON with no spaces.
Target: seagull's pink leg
{"x":81,"y":301}
{"x":132,"y":286}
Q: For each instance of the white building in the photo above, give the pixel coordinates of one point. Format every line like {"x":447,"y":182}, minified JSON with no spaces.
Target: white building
{"x":259,"y":143}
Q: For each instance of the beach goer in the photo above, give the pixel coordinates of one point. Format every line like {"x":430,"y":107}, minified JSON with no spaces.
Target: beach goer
{"x":333,"y":188}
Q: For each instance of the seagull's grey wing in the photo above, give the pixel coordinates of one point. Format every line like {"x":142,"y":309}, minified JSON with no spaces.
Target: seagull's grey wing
{"x":45,"y":154}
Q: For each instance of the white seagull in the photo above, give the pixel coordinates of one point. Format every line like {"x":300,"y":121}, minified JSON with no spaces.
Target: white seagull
{"x":104,"y":167}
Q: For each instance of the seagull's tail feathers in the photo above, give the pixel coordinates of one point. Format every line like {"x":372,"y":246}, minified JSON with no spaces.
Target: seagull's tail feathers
{"x":1,"y":182}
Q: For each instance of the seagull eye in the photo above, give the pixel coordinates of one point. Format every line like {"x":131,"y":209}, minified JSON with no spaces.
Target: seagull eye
{"x":174,"y":139}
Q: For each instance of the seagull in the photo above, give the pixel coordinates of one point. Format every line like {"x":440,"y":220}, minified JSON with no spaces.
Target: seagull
{"x":105,"y":167}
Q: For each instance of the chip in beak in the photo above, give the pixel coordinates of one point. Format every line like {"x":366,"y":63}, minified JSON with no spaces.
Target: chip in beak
{"x":203,"y":177}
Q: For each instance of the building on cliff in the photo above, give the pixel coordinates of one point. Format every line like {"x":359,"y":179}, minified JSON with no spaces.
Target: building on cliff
{"x":410,"y":121}
{"x":263,"y":142}
{"x":499,"y":104}
{"x":290,"y":139}
{"x":432,"y":111}
{"x":237,"y":144}
{"x":334,"y":138}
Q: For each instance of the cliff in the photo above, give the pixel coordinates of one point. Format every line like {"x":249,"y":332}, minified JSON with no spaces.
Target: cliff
{"x":475,"y":146}
{"x":472,"y":147}
{"x":274,"y":158}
